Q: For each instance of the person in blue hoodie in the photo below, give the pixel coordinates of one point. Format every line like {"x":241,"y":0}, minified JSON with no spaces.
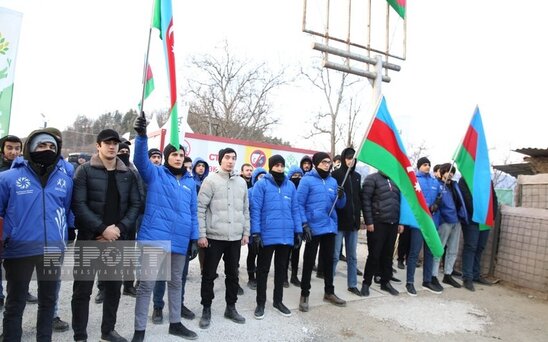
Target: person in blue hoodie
{"x":171,"y":213}
{"x":35,"y":198}
{"x":452,"y":211}
{"x":256,"y":175}
{"x":275,"y":228}
{"x":317,"y":193}
{"x":200,"y":170}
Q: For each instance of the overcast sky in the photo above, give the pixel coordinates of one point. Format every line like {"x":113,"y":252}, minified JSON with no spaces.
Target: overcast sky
{"x":85,"y":57}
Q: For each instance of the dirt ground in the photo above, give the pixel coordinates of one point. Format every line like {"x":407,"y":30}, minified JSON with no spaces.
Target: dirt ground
{"x":498,"y":312}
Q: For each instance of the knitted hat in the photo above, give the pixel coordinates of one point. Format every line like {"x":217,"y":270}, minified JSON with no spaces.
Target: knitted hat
{"x":123,"y":145}
{"x":154,"y":151}
{"x":169,"y":149}
{"x":423,"y":160}
{"x":318,"y":157}
{"x":224,"y":151}
{"x":41,"y":138}
{"x":275,"y":159}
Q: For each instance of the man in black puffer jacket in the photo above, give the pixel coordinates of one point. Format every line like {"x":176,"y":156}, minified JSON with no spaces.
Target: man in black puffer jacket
{"x":381,"y":211}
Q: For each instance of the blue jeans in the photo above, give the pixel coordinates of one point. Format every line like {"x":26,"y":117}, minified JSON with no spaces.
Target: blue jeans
{"x":160,"y":289}
{"x":415,"y":245}
{"x":351,"y":243}
{"x":474,"y":244}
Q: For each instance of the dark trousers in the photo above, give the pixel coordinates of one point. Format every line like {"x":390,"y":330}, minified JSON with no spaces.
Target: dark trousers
{"x":404,"y":244}
{"x":326,"y":242}
{"x":81,"y":292}
{"x":230,"y":252}
{"x":416,"y":244}
{"x":263,"y":266}
{"x":380,"y":244}
{"x":251,"y":267}
{"x":18,"y":276}
{"x":293,"y":258}
{"x":474,"y":244}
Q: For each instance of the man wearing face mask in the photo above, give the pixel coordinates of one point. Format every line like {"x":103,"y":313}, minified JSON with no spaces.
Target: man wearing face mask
{"x":35,"y":197}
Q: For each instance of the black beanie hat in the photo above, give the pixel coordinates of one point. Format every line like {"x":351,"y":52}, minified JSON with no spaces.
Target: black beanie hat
{"x":154,"y":151}
{"x":123,"y":145}
{"x":275,"y":159}
{"x":422,"y":160}
{"x":224,"y":151}
{"x":169,"y":149}
{"x":318,"y":157}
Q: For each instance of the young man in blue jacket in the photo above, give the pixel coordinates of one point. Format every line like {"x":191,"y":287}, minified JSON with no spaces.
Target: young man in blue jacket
{"x":35,"y":197}
{"x":275,"y":229}
{"x":317,"y":193}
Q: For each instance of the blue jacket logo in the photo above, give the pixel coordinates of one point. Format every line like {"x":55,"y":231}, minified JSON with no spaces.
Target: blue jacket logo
{"x":61,"y":183}
{"x":22,"y":183}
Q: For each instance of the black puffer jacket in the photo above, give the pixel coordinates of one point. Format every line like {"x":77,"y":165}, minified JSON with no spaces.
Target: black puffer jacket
{"x":349,"y":216}
{"x":89,"y":197}
{"x":380,"y":200}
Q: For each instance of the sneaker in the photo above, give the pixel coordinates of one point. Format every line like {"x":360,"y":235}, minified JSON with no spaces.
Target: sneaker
{"x":157,"y":316}
{"x":410,"y":288}
{"x":112,"y":336}
{"x":206,"y":317}
{"x":59,"y":325}
{"x":333,"y":299}
{"x":130,"y":291}
{"x":138,"y":336}
{"x":286,"y":284}
{"x":31,"y":299}
{"x":388,"y":288}
{"x":355,"y":291}
{"x":232,"y":314}
{"x":295,"y":281}
{"x":282,"y":309}
{"x":178,"y":329}
{"x":432,"y":287}
{"x":342,"y":258}
{"x":303,"y":304}
{"x":240,"y":290}
{"x":259,"y":312}
{"x":358,"y":272}
{"x":436,"y":282}
{"x":365,"y":290}
{"x":469,"y":285}
{"x":252,"y":284}
{"x":483,"y":281}
{"x":186,"y":313}
{"x":100,"y":297}
{"x":447,"y":279}
{"x":395,"y":280}
{"x":456,"y":273}
{"x":401,"y":266}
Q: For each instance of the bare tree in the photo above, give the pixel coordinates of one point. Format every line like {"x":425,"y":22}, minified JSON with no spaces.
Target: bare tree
{"x":231,"y":96}
{"x":334,"y":87}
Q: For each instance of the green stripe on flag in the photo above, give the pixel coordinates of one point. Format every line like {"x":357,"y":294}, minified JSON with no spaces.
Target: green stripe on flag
{"x":466,"y":167}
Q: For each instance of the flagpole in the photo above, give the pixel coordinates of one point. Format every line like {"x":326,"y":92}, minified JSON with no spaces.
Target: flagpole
{"x":379,"y":99}
{"x":146,"y":62}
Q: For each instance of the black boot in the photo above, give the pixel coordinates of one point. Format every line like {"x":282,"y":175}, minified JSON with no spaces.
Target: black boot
{"x":233,"y":315}
{"x":206,"y":317}
{"x":294,"y":280}
{"x":178,"y":329}
{"x":138,"y":336}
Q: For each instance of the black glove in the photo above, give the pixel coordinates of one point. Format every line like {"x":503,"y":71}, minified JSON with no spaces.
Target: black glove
{"x":140,"y":125}
{"x":307,"y":233}
{"x":297,"y":240}
{"x":192,"y":249}
{"x":257,"y":243}
{"x":340,"y":192}
{"x":434,"y":207}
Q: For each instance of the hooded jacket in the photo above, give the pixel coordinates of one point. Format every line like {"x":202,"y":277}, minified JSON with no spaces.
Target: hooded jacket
{"x":171,"y":211}
{"x":304,"y":159}
{"x":197,"y":178}
{"x":349,"y":216}
{"x":254,"y":180}
{"x":452,"y":208}
{"x":275,"y":211}
{"x":35,"y":215}
{"x":316,"y":197}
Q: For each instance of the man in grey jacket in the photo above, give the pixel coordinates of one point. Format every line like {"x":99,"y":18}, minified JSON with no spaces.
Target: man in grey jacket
{"x":223,"y":216}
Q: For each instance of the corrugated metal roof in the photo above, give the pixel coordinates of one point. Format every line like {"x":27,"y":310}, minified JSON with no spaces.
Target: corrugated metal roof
{"x":516,"y":169}
{"x":533,"y":152}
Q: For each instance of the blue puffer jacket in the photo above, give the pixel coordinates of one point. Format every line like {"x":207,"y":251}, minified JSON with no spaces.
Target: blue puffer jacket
{"x":316,"y":196}
{"x":452,"y":208}
{"x":254,"y":180}
{"x":275,"y":212}
{"x":431,"y":188}
{"x":35,"y":217}
{"x":171,"y":211}
{"x":293,"y":170}
{"x":197,"y":178}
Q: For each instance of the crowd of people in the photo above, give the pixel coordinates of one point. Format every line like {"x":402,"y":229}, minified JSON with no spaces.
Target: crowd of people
{"x":46,"y":202}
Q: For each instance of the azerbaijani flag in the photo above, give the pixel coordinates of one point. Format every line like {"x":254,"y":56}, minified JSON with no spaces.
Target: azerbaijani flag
{"x":149,"y":83}
{"x":398,"y":6}
{"x":382,"y":148}
{"x":163,"y":21}
{"x":472,"y":159}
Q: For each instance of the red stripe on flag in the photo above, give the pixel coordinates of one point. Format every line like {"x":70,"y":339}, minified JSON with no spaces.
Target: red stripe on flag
{"x":170,"y":40}
{"x":383,"y":135}
{"x":149,"y":73}
{"x":470,"y":142}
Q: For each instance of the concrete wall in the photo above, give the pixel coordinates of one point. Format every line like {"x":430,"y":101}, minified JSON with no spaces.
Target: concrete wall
{"x":532,"y":191}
